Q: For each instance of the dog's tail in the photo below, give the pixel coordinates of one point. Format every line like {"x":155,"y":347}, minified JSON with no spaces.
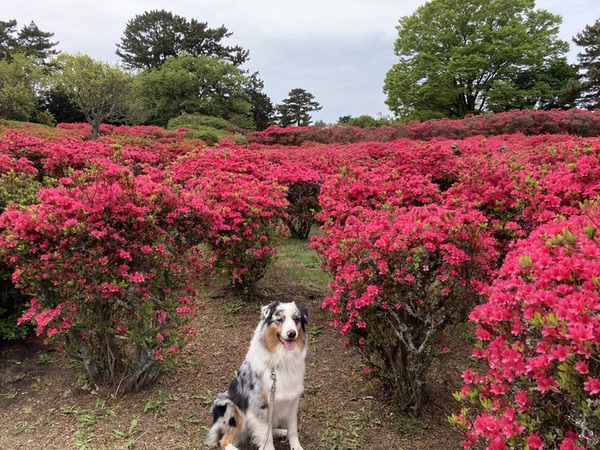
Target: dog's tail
{"x":227,"y":422}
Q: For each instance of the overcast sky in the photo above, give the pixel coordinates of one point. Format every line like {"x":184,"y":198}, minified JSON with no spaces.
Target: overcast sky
{"x":339,"y":50}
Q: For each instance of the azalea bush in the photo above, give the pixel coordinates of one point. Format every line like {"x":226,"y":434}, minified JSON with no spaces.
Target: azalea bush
{"x":303,"y":186}
{"x":18,"y":184}
{"x":242,"y":214}
{"x":110,"y":266}
{"x":303,"y":199}
{"x":402,"y":272}
{"x":539,"y":332}
{"x":248,"y":229}
{"x":560,"y":191}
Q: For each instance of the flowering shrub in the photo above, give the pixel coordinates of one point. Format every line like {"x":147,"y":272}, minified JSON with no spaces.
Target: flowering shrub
{"x":492,"y":182}
{"x":401,"y":272}
{"x":16,"y":186}
{"x":248,"y":231}
{"x":242,"y":214}
{"x":539,"y":331}
{"x":303,"y":198}
{"x":355,"y":189}
{"x":561,"y":190}
{"x":81,"y":127}
{"x":303,"y":186}
{"x":109,"y":269}
{"x":335,"y":134}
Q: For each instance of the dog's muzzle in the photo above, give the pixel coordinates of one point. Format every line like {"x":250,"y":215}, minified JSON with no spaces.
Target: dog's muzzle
{"x":290,"y":342}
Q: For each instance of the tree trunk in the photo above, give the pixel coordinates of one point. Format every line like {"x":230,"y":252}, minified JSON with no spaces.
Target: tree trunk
{"x":95,"y":131}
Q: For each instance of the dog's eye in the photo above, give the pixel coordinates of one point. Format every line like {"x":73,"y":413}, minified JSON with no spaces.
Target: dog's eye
{"x":279,"y":321}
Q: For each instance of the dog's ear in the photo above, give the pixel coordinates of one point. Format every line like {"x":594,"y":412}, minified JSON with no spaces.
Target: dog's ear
{"x":267,"y":310}
{"x":303,"y":315}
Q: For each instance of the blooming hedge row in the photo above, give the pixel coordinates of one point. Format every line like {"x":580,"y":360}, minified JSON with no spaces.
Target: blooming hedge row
{"x":529,"y":122}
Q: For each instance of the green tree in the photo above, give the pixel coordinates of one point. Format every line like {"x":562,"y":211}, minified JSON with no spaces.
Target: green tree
{"x":57,"y":103}
{"x":194,"y":85}
{"x":152,"y":37}
{"x":8,"y":38}
{"x":454,"y":54}
{"x":536,"y":88}
{"x":262,"y":107}
{"x":30,"y":40}
{"x":20,"y":78}
{"x":589,"y":66}
{"x":35,"y":42}
{"x":363,"y":121}
{"x":103,"y":92}
{"x":23,"y":69}
{"x":296,"y":108}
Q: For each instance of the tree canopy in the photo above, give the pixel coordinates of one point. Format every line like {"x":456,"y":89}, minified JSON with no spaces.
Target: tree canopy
{"x":455,"y":55}
{"x":194,"y":85}
{"x":18,"y":79}
{"x":30,"y":40}
{"x":262,"y":107}
{"x":23,"y":69}
{"x":296,"y":108}
{"x":152,"y":37}
{"x":103,"y":92}
{"x":536,"y":88}
{"x":589,"y":65}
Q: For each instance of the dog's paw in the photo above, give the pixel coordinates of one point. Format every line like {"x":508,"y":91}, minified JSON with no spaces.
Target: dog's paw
{"x":267,"y":447}
{"x":295,"y":445}
{"x":231,"y":447}
{"x":280,"y":432}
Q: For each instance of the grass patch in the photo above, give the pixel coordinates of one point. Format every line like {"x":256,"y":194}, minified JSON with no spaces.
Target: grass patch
{"x":235,"y":306}
{"x":296,"y":259}
{"x":349,"y":432}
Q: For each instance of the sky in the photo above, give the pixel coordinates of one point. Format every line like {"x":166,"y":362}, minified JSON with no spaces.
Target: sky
{"x":338,"y":50}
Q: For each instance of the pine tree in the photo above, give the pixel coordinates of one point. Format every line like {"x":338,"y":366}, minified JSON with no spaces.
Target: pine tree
{"x":8,"y":40}
{"x":35,"y":42}
{"x":296,"y":108}
{"x":589,"y":65}
{"x":152,"y":37}
{"x":30,"y":40}
{"x":262,"y":107}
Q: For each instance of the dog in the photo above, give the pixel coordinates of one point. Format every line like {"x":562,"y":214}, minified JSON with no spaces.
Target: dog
{"x":262,"y":400}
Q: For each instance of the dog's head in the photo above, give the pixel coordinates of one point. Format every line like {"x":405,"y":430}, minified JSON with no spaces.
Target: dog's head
{"x":284,"y":324}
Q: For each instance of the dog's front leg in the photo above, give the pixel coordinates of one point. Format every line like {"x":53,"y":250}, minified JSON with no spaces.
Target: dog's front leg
{"x":292,"y":429}
{"x":262,"y":435}
{"x":267,"y":443}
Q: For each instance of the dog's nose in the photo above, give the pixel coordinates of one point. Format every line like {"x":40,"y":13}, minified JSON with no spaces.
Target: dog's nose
{"x":291,"y":334}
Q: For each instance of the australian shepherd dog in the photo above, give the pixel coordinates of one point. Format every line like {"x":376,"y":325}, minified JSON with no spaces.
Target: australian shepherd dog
{"x":262,"y":401}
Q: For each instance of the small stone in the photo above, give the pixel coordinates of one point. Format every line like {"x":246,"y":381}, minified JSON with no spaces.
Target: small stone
{"x":216,"y":293}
